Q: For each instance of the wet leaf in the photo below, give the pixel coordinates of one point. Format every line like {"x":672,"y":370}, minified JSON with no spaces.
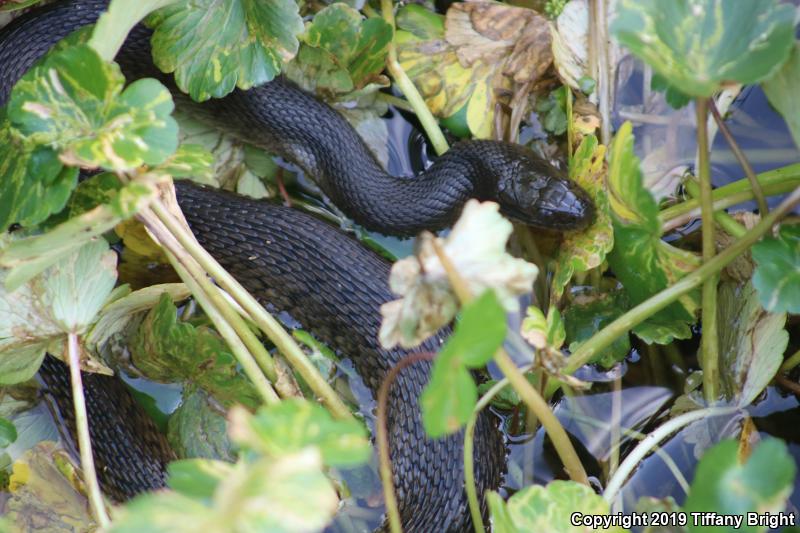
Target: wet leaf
{"x":752,"y":342}
{"x":283,"y":429}
{"x":42,"y":498}
{"x":75,"y":103}
{"x":472,"y":56}
{"x":587,"y":316}
{"x":699,"y":45}
{"x":198,"y":428}
{"x":165,"y":349}
{"x":640,"y":259}
{"x":476,"y":247}
{"x":585,"y":250}
{"x":777,"y":276}
{"x":450,"y":397}
{"x":247,"y":42}
{"x":760,"y":484}
{"x":33,"y":182}
{"x":780,"y":90}
{"x":550,"y":508}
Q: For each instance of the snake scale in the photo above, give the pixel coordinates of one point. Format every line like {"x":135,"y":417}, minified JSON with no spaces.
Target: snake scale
{"x":295,"y":263}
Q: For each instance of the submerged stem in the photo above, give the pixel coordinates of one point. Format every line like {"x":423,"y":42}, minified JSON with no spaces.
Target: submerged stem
{"x":739,"y":154}
{"x":709,"y":346}
{"x":652,"y":440}
{"x":409,"y":90}
{"x":82,"y":429}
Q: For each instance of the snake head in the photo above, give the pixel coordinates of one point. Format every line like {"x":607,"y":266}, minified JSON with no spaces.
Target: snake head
{"x":533,"y":192}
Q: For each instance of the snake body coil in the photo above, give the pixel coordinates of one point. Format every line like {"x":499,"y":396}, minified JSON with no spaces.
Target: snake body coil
{"x":293,"y":262}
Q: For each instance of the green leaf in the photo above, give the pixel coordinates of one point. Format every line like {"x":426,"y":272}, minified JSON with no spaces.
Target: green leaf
{"x":165,"y":349}
{"x":552,"y":111}
{"x":751,"y":342}
{"x":8,"y":433}
{"x":190,"y":161}
{"x":647,"y":505}
{"x":640,"y":259}
{"x":777,"y":276}
{"x":543,"y":331}
{"x":781,"y":90}
{"x":30,"y":256}
{"x":699,"y":45}
{"x":163,"y":512}
{"x":215,"y":46}
{"x":74,"y":102}
{"x":450,"y":397}
{"x":344,"y":50}
{"x":198,"y":428}
{"x":291,"y":425}
{"x":197,"y":478}
{"x":724,"y":485}
{"x":33,"y":182}
{"x":673,"y":96}
{"x":587,"y":316}
{"x":587,"y":249}
{"x":65,"y":298}
{"x":550,"y":508}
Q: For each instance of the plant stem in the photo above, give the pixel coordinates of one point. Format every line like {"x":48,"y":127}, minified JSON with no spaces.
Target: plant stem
{"x":653,"y":439}
{"x":737,"y":151}
{"x":709,"y":343}
{"x":409,"y":90}
{"x":778,"y":181}
{"x":469,"y":452}
{"x":230,"y":325}
{"x":533,"y":400}
{"x":791,"y":362}
{"x":622,"y":325}
{"x":726,"y":222}
{"x":266,"y":322}
{"x":382,"y":437}
{"x":82,"y":429}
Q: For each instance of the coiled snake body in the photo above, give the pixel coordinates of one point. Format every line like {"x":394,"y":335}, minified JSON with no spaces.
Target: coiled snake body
{"x":293,"y":262}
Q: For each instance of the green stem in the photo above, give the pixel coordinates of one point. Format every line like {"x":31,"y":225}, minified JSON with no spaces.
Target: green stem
{"x":469,"y":452}
{"x":726,"y":222}
{"x":266,"y":322}
{"x":778,"y":181}
{"x":227,"y":321}
{"x":651,"y":441}
{"x":791,"y":362}
{"x":709,"y":342}
{"x":82,"y":429}
{"x":622,"y":325}
{"x":409,"y":90}
{"x":382,"y":437}
{"x":117,"y":21}
{"x":739,"y":154}
{"x":533,"y":400}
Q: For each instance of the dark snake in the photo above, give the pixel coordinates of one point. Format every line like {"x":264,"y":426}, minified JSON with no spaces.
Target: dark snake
{"x":293,"y":262}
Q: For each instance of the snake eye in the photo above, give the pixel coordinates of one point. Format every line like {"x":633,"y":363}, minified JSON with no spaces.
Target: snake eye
{"x":544,"y":200}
